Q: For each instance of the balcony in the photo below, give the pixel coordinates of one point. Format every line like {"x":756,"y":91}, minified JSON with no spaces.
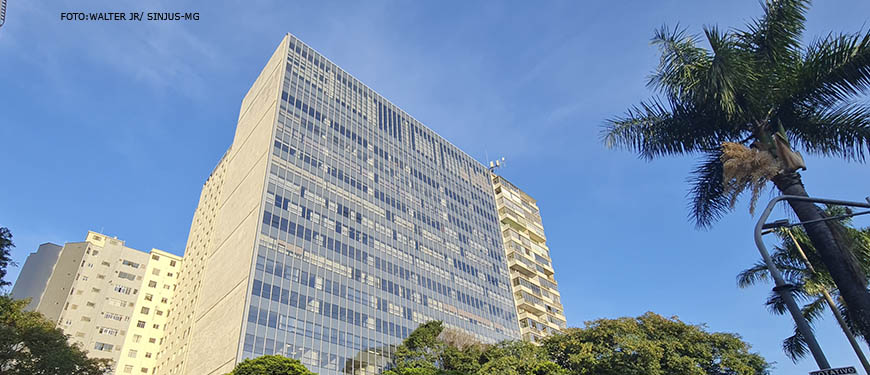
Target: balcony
{"x":530,"y":305}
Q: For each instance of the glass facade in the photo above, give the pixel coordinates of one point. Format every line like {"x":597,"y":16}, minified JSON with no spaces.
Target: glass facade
{"x":371,"y":225}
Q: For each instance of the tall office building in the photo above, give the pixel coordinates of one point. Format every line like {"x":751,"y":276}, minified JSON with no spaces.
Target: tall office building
{"x":333,"y":226}
{"x":531,"y":270}
{"x":93,"y":288}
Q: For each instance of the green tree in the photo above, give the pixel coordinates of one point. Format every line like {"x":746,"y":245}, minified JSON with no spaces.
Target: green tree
{"x":432,"y":349}
{"x":32,"y":345}
{"x":6,"y":246}
{"x":651,"y":345}
{"x":271,"y":365}
{"x":810,"y":281}
{"x":745,"y":104}
{"x":518,"y":358}
{"x":420,"y":353}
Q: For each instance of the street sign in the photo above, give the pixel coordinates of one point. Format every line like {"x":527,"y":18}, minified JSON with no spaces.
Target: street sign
{"x":835,"y":371}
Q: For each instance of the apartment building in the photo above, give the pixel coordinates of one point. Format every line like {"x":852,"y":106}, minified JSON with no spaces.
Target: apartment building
{"x":150,"y":313}
{"x":38,"y":266}
{"x":334,"y":225}
{"x":535,"y":290}
{"x":93,"y":290}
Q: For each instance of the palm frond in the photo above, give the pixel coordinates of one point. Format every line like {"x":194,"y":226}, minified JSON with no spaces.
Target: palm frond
{"x":753,"y":275}
{"x":653,"y":129}
{"x":682,"y":63}
{"x":776,"y":304}
{"x":775,"y":37}
{"x":729,"y":73}
{"x":842,"y":130}
{"x":834,"y":69}
{"x":795,"y":346}
{"x":814,"y":310}
{"x":708,"y":201}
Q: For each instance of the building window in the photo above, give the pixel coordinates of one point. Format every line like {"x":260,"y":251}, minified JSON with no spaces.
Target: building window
{"x":152,"y":341}
{"x":148,"y":297}
{"x":156,"y":326}
{"x":129,"y":263}
{"x":136,"y":338}
{"x":155,"y":257}
{"x":140,"y":324}
{"x":152,"y":284}
{"x":156,"y":272}
{"x":103,"y":347}
{"x":145,"y":310}
{"x":132,"y":353}
{"x":123,"y":289}
{"x":172,"y":263}
{"x":128,"y":369}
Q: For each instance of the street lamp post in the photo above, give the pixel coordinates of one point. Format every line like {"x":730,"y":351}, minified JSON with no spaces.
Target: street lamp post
{"x":784,"y":289}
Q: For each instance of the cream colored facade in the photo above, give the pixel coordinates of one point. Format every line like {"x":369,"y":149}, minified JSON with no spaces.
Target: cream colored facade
{"x":150,"y":313}
{"x":102,"y":295}
{"x":539,"y":307}
{"x":96,"y":292}
{"x":203,"y":336}
{"x":171,"y":358}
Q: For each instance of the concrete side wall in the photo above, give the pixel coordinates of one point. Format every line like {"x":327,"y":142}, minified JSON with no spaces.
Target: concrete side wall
{"x":59,"y":283}
{"x":220,"y":308}
{"x":35,"y":274}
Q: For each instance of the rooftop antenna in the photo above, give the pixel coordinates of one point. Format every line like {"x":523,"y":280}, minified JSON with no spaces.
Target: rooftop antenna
{"x":493,"y":165}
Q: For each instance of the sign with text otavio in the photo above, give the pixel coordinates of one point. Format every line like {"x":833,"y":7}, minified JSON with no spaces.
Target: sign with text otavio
{"x":835,"y":371}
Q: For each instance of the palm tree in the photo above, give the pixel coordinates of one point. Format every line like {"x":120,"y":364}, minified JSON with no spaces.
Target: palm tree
{"x":802,"y":267}
{"x":744,"y":105}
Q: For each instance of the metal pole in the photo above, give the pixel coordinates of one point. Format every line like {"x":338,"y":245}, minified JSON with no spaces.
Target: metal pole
{"x":833,"y":306}
{"x":784,"y":289}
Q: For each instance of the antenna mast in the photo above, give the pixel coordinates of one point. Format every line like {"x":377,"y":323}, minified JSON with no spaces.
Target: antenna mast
{"x":498,"y":163}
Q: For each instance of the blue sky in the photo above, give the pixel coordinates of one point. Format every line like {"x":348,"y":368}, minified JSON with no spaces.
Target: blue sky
{"x":114,"y":126}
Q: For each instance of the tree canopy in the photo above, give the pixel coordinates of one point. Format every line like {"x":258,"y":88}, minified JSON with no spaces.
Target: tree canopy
{"x":32,"y":345}
{"x":651,"y":345}
{"x":648,"y":345}
{"x":6,"y":246}
{"x":271,"y":365}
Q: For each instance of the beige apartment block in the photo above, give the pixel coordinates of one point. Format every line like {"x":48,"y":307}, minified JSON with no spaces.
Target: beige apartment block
{"x":150,"y":313}
{"x":101,"y":298}
{"x":539,"y":306}
{"x":96,"y":287}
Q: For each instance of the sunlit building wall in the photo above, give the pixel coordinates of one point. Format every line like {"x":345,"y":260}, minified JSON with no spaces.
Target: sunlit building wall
{"x":335,"y":224}
{"x":536,"y":293}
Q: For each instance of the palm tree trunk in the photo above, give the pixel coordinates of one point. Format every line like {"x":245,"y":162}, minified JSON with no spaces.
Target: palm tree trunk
{"x":829,"y":241}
